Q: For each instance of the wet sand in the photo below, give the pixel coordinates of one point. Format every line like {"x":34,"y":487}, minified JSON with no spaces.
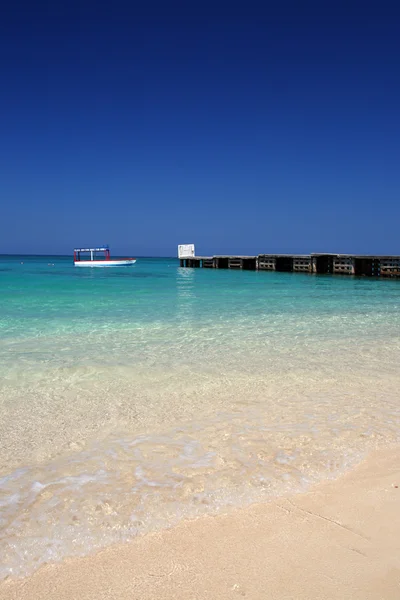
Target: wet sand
{"x":340,"y":540}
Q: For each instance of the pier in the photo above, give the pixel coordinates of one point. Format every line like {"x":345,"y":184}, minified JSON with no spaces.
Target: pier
{"x":316,"y":263}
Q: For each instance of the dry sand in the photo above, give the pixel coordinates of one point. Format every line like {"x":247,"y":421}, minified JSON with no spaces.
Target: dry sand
{"x":341,"y":540}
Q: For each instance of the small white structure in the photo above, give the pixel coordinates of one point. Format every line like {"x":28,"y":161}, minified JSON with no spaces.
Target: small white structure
{"x":186,"y":251}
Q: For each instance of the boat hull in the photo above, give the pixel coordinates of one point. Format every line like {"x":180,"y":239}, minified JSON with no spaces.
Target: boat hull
{"x":105,"y":263}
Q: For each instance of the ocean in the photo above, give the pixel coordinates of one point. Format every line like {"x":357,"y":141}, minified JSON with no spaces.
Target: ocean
{"x":132,"y":398}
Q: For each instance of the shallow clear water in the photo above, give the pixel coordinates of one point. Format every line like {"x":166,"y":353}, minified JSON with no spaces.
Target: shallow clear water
{"x":133,"y":397}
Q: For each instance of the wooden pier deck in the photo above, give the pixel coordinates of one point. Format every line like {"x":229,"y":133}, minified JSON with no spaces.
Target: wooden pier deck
{"x":316,"y":263}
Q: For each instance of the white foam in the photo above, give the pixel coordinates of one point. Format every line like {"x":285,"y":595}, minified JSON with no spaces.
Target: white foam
{"x":123,"y":487}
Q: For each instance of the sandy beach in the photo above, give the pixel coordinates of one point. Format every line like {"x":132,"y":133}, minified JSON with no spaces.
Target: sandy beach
{"x":340,"y":540}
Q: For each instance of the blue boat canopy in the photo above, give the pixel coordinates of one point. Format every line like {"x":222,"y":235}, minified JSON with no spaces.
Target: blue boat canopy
{"x":98,"y":249}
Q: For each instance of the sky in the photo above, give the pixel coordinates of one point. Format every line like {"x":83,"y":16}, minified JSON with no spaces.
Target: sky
{"x":242,"y":129}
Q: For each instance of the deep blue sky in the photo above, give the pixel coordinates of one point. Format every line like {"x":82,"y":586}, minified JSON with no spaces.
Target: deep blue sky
{"x":246,"y":133}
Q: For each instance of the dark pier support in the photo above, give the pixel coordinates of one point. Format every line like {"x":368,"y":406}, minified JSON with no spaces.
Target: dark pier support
{"x":322,"y":264}
{"x":284,"y":264}
{"x":250,"y":263}
{"x":365,"y":266}
{"x":193,"y":263}
{"x":221,"y":262}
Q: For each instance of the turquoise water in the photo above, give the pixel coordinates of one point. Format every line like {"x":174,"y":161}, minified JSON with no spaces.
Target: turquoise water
{"x":134,"y":397}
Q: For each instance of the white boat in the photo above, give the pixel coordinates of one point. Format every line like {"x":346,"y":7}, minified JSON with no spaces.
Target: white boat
{"x":103,"y":262}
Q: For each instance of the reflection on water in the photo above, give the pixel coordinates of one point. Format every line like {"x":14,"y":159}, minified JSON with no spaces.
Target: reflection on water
{"x":185,"y":286}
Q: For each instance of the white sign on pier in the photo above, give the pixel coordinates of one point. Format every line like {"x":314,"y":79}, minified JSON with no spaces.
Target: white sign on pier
{"x":186,"y":251}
